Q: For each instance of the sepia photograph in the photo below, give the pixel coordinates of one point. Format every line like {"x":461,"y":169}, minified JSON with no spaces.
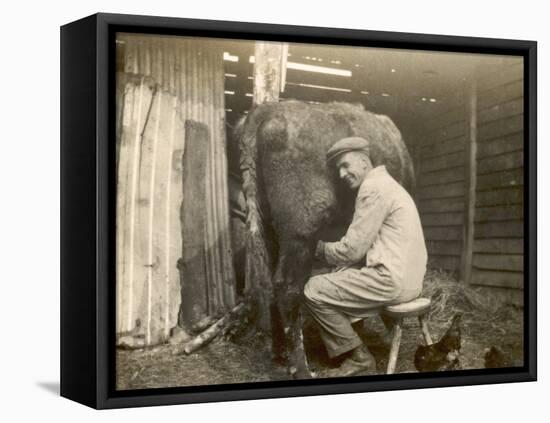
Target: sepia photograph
{"x":292,"y":211}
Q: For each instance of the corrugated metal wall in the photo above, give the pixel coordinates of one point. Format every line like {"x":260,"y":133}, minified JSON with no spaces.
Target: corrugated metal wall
{"x":189,"y":75}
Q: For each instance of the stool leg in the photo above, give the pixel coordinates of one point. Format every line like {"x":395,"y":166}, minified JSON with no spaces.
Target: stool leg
{"x":394,"y":350}
{"x":424,"y":325}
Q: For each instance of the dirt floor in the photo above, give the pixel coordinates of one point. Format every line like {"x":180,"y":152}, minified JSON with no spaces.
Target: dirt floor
{"x":485,"y":322}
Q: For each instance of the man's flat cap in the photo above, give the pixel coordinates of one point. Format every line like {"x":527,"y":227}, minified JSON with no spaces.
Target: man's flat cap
{"x":346,"y":145}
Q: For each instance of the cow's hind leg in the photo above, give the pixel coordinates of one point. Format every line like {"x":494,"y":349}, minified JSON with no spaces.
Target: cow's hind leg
{"x":293,"y":270}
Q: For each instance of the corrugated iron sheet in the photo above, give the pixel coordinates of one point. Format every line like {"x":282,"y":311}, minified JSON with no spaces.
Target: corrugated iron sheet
{"x":181,"y":79}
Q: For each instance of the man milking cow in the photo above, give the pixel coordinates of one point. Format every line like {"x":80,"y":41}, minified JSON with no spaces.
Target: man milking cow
{"x":381,"y":259}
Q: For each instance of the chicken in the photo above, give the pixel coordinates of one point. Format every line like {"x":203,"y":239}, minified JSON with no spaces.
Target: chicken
{"x":443,"y":355}
{"x":495,"y":358}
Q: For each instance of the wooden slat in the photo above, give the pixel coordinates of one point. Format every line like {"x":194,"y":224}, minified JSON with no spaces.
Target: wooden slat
{"x":441,"y":148}
{"x":504,"y":229}
{"x":501,"y":111}
{"x":470,"y":183}
{"x":505,"y":144}
{"x":500,"y":128}
{"x":499,"y":262}
{"x":446,"y":233}
{"x":442,"y":219}
{"x":193,"y":265}
{"x":499,"y":213}
{"x":500,"y":197}
{"x":455,"y":174}
{"x":451,"y":131}
{"x":455,"y":189}
{"x":501,"y":94}
{"x":443,"y":162}
{"x":438,"y":205}
{"x":512,"y":160}
{"x":130,"y":272}
{"x":501,"y":246}
{"x":503,"y":279}
{"x":506,"y":178}
{"x":501,"y":76}
{"x":453,"y":115}
{"x":444,"y":262}
{"x":447,"y":248}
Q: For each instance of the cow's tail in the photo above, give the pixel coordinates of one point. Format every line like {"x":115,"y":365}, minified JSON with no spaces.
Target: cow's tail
{"x":258,"y":287}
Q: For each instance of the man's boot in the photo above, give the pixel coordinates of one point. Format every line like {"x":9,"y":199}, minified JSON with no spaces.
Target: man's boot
{"x":360,"y":361}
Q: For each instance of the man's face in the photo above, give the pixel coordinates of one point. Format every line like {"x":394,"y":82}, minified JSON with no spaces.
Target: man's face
{"x":352,"y":168}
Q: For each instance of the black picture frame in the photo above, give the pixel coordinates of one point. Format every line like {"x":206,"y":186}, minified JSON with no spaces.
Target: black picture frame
{"x":87,"y":209}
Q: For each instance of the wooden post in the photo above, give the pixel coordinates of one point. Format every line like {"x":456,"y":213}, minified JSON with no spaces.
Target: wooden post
{"x":192,"y":265}
{"x":267,"y":71}
{"x":267,"y":84}
{"x":470,"y":180}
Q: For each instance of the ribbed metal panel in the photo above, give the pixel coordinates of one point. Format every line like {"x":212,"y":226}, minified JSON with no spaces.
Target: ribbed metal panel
{"x":190,"y":70}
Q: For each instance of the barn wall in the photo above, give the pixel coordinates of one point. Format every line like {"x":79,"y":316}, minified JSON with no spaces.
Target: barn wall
{"x":440,"y":170}
{"x":189,"y":73}
{"x":498,"y":230}
{"x":148,"y":198}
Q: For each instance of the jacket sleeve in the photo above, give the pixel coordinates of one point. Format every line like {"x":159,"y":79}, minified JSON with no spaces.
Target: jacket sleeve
{"x":371,"y":209}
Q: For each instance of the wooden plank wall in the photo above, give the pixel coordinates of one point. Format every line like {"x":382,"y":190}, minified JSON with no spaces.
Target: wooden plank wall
{"x":188,"y":71}
{"x":439,"y":160}
{"x":498,"y":232}
{"x":149,"y":195}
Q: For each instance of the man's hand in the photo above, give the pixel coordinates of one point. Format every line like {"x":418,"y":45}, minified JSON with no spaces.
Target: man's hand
{"x":320,"y":251}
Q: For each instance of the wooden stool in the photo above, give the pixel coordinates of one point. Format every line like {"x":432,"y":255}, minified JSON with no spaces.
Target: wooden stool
{"x":397,"y":312}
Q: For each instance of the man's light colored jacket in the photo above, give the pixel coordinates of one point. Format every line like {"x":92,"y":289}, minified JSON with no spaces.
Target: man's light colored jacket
{"x":385,"y":232}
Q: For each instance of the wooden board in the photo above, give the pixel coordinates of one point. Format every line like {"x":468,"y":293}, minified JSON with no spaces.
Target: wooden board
{"x":193,"y":265}
{"x":447,"y":132}
{"x":499,"y":262}
{"x":499,"y":245}
{"x":442,"y":219}
{"x":447,"y":248}
{"x":444,"y":233}
{"x":501,"y":94}
{"x":455,"y":114}
{"x":449,"y":190}
{"x":442,"y":148}
{"x":500,"y":128}
{"x":512,"y":160}
{"x":501,"y":111}
{"x":496,"y":146}
{"x":499,"y":213}
{"x":444,"y":176}
{"x":504,"y":229}
{"x":514,"y":280}
{"x":443,"y":262}
{"x":439,"y":205}
{"x":443,"y":162}
{"x":500,"y":197}
{"x":501,"y":75}
{"x":505,"y":178}
{"x":137,"y":100}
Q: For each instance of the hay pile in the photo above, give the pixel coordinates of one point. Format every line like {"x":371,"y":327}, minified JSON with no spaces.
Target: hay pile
{"x":483,"y":313}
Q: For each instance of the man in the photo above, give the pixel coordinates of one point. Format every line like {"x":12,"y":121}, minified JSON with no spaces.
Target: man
{"x":381,"y":259}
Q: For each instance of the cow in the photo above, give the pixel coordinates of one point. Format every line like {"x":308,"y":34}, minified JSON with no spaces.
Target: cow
{"x":293,"y":198}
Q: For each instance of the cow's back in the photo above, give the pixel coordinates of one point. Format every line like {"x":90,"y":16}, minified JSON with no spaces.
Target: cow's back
{"x":292,"y":139}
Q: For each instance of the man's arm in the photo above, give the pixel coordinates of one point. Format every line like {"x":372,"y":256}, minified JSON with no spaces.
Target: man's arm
{"x":371,"y":209}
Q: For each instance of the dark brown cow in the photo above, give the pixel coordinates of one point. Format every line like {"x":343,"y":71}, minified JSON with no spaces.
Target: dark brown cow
{"x":292,"y":197}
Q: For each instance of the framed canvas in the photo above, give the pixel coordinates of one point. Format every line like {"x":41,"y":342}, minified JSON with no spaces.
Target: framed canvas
{"x":259,"y":211}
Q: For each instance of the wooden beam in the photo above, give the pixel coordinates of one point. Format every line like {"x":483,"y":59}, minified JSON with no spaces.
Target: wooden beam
{"x":470,"y":181}
{"x":267,"y":71}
